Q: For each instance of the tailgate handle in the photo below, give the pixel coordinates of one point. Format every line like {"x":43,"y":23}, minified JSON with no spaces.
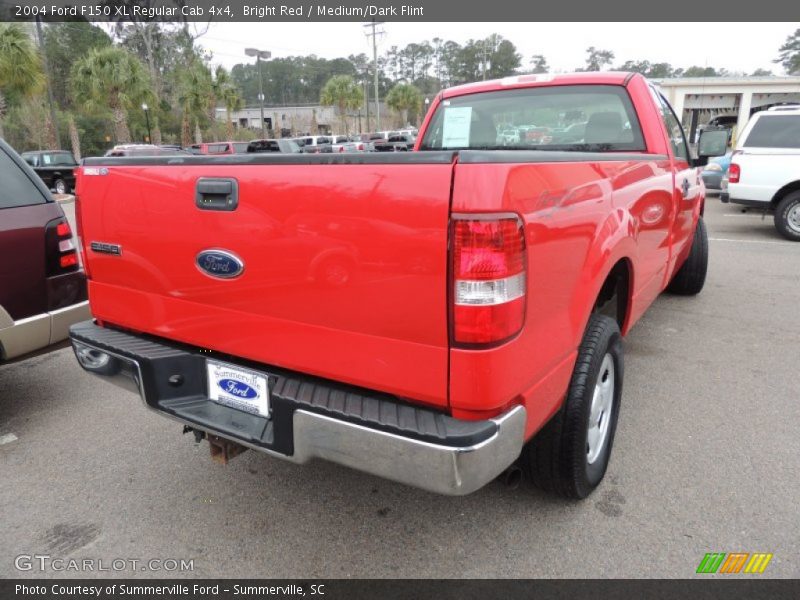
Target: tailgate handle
{"x":215,"y":193}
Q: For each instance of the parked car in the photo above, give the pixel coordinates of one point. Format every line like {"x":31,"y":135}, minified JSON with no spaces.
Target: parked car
{"x":285,"y":146}
{"x":716,"y":170}
{"x":400,"y":142}
{"x":471,"y":306}
{"x":314,"y":144}
{"x":764,"y":173}
{"x":219,"y":148}
{"x":145,"y":150}
{"x":54,"y":167}
{"x":42,"y":286}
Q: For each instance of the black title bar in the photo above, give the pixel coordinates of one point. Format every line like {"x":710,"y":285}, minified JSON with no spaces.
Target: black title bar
{"x":226,"y":11}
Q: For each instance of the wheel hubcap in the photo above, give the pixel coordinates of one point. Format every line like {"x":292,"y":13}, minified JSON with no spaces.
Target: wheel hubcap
{"x":600,"y":414}
{"x":793,"y":218}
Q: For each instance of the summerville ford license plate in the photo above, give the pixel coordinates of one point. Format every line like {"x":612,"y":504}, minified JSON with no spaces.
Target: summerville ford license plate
{"x":238,"y":388}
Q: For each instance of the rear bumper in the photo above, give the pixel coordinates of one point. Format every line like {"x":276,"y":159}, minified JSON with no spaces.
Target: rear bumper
{"x":312,"y":418}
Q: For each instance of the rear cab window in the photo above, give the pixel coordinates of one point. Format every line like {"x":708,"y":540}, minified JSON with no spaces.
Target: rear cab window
{"x":774,"y":131}
{"x":17,"y":189}
{"x":586,"y":118}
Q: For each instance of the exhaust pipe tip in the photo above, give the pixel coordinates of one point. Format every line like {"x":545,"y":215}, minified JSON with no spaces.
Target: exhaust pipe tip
{"x":512,"y":477}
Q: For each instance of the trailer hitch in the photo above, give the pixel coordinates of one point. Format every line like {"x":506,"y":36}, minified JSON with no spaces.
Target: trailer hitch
{"x":223,"y":450}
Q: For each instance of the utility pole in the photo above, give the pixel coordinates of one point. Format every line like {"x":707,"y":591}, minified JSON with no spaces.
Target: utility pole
{"x":483,"y":62}
{"x":50,"y":99}
{"x":259,"y":54}
{"x":366,"y":95}
{"x":374,"y":36}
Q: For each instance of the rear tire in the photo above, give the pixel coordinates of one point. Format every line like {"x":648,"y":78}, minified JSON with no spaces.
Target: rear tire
{"x":60,"y":186}
{"x":691,"y":277}
{"x":570,"y":455}
{"x":787,"y":217}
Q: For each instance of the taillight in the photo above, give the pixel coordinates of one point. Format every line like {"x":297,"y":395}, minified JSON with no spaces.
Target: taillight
{"x":60,"y":252}
{"x":734,"y":172}
{"x":488,"y":279}
{"x":360,"y":147}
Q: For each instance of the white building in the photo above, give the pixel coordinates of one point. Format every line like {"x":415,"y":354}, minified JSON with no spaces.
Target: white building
{"x":303,"y":119}
{"x":698,"y":99}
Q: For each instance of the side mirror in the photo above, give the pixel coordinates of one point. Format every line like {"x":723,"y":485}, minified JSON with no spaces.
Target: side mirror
{"x":712,"y":142}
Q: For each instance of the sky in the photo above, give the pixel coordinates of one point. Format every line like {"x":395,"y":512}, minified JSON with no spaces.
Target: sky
{"x":733,"y":46}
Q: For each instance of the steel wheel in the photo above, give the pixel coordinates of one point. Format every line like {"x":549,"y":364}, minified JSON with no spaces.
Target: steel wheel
{"x":793,"y":218}
{"x":600,"y":415}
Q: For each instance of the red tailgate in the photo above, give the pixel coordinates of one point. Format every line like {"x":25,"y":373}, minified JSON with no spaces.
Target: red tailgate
{"x":345,"y":265}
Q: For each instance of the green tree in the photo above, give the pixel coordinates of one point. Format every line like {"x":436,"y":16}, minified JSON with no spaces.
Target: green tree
{"x":65,"y":43}
{"x":403,"y":98}
{"x":225,"y":91}
{"x":789,"y":55}
{"x":539,"y":64}
{"x":695,"y":71}
{"x":503,"y":57}
{"x":761,"y":73}
{"x":341,"y":91}
{"x":597,"y":59}
{"x":21,"y":74}
{"x":114,"y":78}
{"x":195,"y":97}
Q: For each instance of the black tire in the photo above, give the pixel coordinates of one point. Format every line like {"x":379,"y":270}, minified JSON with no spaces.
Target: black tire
{"x":787,"y":217}
{"x":60,"y":186}
{"x":691,"y":277}
{"x":557,"y":459}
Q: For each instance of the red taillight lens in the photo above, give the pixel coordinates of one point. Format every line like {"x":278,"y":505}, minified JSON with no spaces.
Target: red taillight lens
{"x":63,"y":230}
{"x":60,"y":252}
{"x":360,"y":147}
{"x":489,"y":284}
{"x":734,"y":172}
{"x":68,"y":260}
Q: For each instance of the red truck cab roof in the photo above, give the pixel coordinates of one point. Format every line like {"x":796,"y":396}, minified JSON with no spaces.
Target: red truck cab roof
{"x":541,"y":79}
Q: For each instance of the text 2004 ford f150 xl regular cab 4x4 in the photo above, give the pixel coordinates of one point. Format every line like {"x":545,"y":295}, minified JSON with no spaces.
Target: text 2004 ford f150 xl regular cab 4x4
{"x":430,"y":317}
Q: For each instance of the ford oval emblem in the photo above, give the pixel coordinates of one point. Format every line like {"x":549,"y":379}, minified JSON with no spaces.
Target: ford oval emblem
{"x":219,"y":263}
{"x":237,"y":388}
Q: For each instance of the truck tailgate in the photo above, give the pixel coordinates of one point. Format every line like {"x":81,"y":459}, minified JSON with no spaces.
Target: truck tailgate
{"x":345,"y":262}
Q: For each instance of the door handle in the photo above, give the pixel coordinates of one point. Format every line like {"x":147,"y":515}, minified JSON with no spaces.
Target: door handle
{"x":685,"y":187}
{"x":217,"y":193}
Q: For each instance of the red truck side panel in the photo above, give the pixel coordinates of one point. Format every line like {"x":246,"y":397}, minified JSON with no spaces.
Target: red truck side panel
{"x":581,"y":218}
{"x":345,"y":266}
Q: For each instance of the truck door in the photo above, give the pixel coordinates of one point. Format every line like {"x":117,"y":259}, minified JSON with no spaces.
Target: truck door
{"x":686,"y":188}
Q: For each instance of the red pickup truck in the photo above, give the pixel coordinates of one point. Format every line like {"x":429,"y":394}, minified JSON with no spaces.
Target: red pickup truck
{"x":430,"y":317}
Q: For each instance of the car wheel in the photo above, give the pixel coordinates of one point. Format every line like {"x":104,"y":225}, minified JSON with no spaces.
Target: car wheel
{"x":787,"y":217}
{"x":60,"y":186}
{"x":691,"y":277}
{"x":570,"y":455}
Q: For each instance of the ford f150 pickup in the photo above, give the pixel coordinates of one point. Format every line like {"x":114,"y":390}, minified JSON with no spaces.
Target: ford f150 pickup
{"x":432,"y":317}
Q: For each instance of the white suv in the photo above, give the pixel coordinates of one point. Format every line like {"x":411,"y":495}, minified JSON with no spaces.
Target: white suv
{"x":765,"y":168}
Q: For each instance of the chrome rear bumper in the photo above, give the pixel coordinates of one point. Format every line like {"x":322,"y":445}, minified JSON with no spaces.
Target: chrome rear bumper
{"x":464,"y":458}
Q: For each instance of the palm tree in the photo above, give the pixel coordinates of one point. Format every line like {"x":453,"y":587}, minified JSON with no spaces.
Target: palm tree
{"x":233,"y":102}
{"x":195,"y":90}
{"x":114,"y":78}
{"x":224,"y":90}
{"x":341,"y":91}
{"x":20,"y":68}
{"x":404,"y":97}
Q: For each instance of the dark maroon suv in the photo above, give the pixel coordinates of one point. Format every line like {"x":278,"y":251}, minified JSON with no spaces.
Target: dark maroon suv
{"x":42,"y":285}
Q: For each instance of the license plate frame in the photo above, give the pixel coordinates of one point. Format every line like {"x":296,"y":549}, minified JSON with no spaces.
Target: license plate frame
{"x":238,"y":388}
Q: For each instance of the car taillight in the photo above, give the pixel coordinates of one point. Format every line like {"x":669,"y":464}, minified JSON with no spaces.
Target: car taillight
{"x":488,"y":278}
{"x":60,"y":252}
{"x":734,"y":172}
{"x":360,"y":147}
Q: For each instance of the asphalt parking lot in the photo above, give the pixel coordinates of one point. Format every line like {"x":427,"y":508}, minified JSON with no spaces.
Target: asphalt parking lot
{"x":705,"y":460}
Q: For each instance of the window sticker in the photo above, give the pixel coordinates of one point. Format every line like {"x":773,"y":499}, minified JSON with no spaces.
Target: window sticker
{"x":457,"y":122}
